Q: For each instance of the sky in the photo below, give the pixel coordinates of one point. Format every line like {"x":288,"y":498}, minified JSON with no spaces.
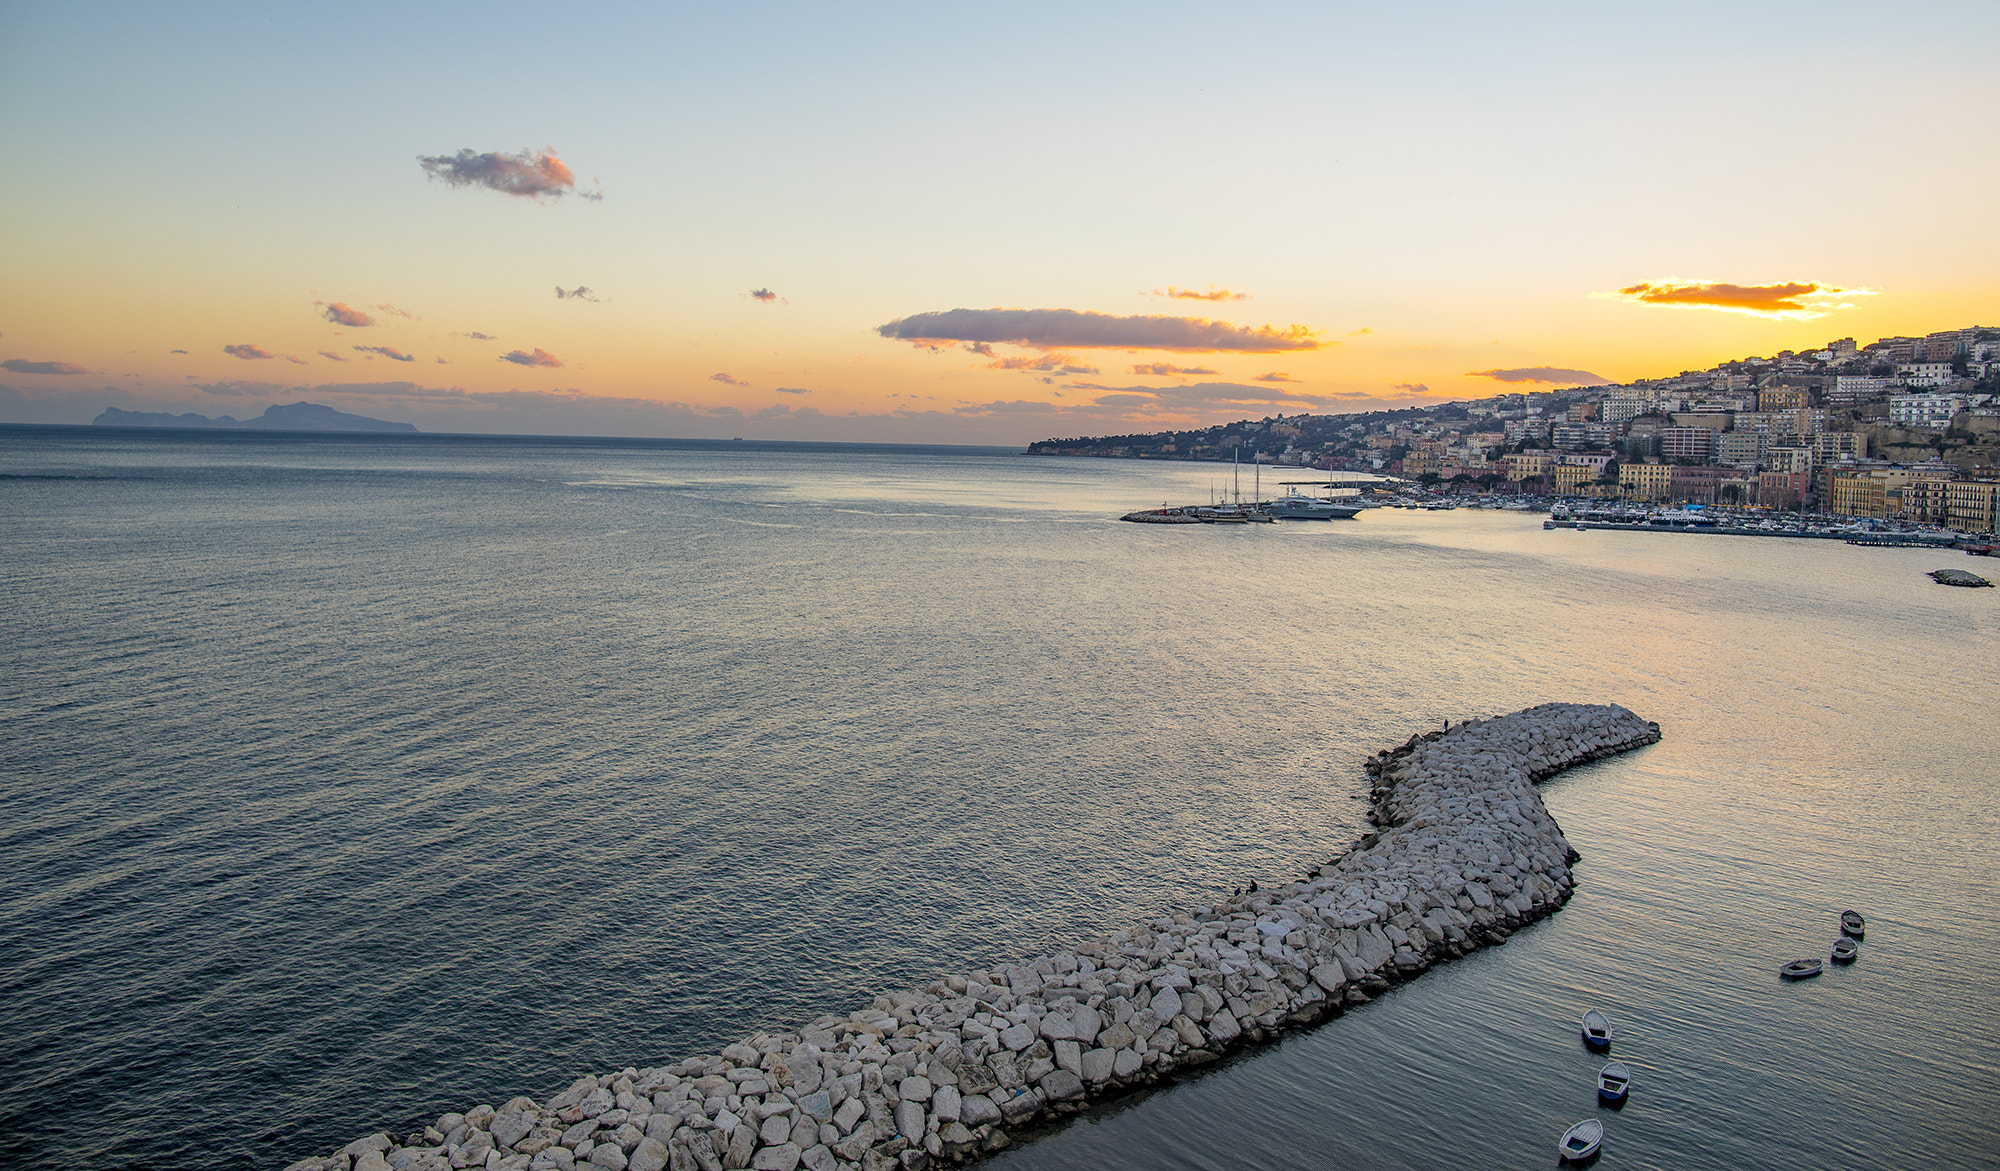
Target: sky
{"x":967,"y":225}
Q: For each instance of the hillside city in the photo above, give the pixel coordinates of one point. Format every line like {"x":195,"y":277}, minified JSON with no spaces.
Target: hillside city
{"x":1901,"y":429}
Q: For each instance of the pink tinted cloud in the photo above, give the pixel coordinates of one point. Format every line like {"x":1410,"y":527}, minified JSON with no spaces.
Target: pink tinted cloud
{"x":389,"y":352}
{"x":247,"y":352}
{"x":1051,"y":329}
{"x":539,"y":357}
{"x":341,"y":313}
{"x":24,"y":366}
{"x":727,"y":379}
{"x":531,"y":174}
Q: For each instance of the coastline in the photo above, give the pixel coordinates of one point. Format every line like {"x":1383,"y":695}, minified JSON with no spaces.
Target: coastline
{"x":1465,"y":855}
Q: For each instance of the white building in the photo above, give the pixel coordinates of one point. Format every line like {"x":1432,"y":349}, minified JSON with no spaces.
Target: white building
{"x":1850,"y":389}
{"x":1924,"y":410}
{"x":1925,"y":374}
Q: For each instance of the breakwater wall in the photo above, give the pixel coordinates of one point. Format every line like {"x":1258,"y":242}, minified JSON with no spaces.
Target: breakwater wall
{"x":1465,"y":854}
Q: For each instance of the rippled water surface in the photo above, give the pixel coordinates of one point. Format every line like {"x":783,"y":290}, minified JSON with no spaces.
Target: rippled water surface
{"x":348,"y":780}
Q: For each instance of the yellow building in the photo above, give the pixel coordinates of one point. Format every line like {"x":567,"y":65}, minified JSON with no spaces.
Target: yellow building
{"x":1571,"y":479}
{"x":1645,"y":482}
{"x":1969,"y":505}
{"x":1783,"y":398}
{"x":1924,"y":497}
{"x":1527,"y":467}
{"x":1875,"y":492}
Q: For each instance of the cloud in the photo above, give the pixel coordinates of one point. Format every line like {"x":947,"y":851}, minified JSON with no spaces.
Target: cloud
{"x":1166,"y":370}
{"x":1049,"y":329}
{"x":238,"y":388}
{"x":1359,"y":332}
{"x":1541,"y":374}
{"x":540,"y":357}
{"x":1795,"y":300}
{"x":1210,"y":294}
{"x":331,"y":356}
{"x":764,"y":295}
{"x":177,"y":351}
{"x":442,"y":360}
{"x":1275,"y":376}
{"x":475,"y":335}
{"x":23,"y":366}
{"x":1058,"y":363}
{"x":387,"y":352}
{"x":247,"y":352}
{"x":980,"y":348}
{"x":295,"y":360}
{"x":728,"y":379}
{"x":531,"y":174}
{"x":1411,"y":388}
{"x":791,"y":390}
{"x":579,"y":293}
{"x":399,"y":312}
{"x":343,"y":314}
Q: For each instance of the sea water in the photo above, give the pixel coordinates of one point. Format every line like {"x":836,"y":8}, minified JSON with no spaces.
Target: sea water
{"x":347,"y":780}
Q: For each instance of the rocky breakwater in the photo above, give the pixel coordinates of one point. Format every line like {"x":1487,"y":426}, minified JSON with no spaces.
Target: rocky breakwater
{"x":1466,"y":854}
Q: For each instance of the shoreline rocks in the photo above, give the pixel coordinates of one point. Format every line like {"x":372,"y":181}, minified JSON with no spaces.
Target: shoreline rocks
{"x":1465,"y":854}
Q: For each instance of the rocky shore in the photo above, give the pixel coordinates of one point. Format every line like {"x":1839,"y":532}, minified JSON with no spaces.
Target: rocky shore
{"x":1466,"y":854}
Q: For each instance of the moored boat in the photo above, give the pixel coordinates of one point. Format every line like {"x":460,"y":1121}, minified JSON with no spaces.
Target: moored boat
{"x":1582,"y":1141}
{"x":1596,"y":1030}
{"x":1614,"y":1081}
{"x":1852,"y":923}
{"x":1799,"y":969}
{"x":1844,"y":950}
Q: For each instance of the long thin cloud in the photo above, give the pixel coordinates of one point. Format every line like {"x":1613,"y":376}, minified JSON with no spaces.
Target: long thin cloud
{"x":1211,"y":293}
{"x":1793,"y":300}
{"x":1047,"y":363}
{"x":1168,"y":370}
{"x":1275,"y":376}
{"x":1541,"y":374}
{"x":531,"y":174}
{"x":247,"y":352}
{"x":333,"y":357}
{"x":389,"y":352}
{"x":579,"y":293}
{"x":727,"y":380}
{"x":1051,"y":329}
{"x":24,"y":366}
{"x":540,"y":357}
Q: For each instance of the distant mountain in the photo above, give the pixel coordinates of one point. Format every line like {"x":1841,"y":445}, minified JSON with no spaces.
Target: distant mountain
{"x":296,"y":417}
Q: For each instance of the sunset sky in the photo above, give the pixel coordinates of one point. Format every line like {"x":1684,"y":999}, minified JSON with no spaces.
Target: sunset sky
{"x":941,"y":224}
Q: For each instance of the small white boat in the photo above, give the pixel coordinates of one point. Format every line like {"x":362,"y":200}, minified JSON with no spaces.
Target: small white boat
{"x":1614,"y":1081}
{"x":1582,"y":1141}
{"x":1853,"y":924}
{"x":1799,"y":969}
{"x":1596,"y":1029}
{"x":1844,"y":950}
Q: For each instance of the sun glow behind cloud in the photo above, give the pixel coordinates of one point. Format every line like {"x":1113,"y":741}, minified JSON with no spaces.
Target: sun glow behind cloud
{"x":1790,"y":301}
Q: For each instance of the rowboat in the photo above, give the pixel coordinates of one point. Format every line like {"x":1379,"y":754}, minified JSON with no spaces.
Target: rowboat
{"x":1596,"y":1030}
{"x":1853,"y":924}
{"x":1799,"y":969}
{"x":1614,"y":1081}
{"x":1582,"y":1141}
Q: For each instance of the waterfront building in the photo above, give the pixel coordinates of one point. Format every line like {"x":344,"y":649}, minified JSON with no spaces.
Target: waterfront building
{"x":1925,"y":498}
{"x":1570,"y":479}
{"x":1969,"y":505}
{"x":1525,"y":466}
{"x":1867,"y":492}
{"x":1649,"y":483}
{"x":1788,"y":458}
{"x":1698,"y":485}
{"x":1782,"y":489}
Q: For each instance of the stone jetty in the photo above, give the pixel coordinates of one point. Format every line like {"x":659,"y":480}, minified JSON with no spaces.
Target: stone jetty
{"x":1464,"y":855}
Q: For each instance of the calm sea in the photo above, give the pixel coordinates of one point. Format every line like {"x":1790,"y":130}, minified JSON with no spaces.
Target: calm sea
{"x":347,"y":780}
